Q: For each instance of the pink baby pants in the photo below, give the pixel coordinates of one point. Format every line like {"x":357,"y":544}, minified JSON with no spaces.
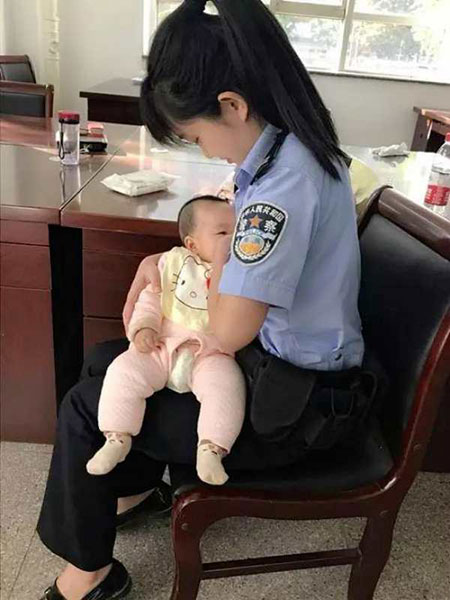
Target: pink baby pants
{"x":216,"y":381}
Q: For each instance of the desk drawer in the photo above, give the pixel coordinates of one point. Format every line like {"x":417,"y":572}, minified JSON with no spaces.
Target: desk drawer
{"x":22,"y":232}
{"x":27,"y":366}
{"x":106,"y":281}
{"x":126,"y":243}
{"x":25,"y":266}
{"x":101,"y":330}
{"x":110,"y":262}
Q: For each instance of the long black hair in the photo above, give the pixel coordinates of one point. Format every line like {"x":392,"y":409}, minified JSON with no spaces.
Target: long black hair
{"x":195,"y":56}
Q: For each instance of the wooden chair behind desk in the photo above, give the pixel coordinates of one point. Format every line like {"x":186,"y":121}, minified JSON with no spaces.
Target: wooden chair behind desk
{"x":26,"y":99}
{"x":16,"y":68}
{"x":405,"y":308}
{"x":431,"y":128}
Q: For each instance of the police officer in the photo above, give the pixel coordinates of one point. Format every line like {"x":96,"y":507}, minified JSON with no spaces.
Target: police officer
{"x":295,"y":249}
{"x":233,"y":84}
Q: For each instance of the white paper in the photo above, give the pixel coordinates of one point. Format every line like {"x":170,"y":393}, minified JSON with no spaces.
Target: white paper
{"x":394,"y":150}
{"x":138,"y":183}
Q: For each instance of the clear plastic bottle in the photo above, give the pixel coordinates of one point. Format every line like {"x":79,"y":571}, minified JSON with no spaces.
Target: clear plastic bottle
{"x":69,"y":137}
{"x":438,"y":191}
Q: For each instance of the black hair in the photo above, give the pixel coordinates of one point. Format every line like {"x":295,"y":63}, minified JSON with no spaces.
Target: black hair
{"x":195,"y":56}
{"x":186,"y":216}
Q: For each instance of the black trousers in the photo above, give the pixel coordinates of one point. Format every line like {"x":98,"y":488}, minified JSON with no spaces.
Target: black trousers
{"x":77,"y":520}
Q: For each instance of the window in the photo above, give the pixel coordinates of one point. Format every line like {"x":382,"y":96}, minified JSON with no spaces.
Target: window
{"x":401,"y":38}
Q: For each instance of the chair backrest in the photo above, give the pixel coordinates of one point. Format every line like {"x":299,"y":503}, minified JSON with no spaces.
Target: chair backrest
{"x":26,"y":99}
{"x":16,"y":68}
{"x":405,"y":305}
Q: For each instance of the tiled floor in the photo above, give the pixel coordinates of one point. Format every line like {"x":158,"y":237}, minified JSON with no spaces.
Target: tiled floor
{"x":419,"y":568}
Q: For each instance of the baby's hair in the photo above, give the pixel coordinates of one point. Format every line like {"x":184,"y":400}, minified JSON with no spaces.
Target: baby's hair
{"x":186,"y":216}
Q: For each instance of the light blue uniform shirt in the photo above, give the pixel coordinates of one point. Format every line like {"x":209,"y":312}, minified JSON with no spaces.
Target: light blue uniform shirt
{"x":296,"y":248}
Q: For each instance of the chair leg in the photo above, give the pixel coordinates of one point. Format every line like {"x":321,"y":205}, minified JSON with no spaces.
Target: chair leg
{"x":187,"y":530}
{"x":375,"y":547}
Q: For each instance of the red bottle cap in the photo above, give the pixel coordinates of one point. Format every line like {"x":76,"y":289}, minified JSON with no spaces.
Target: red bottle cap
{"x":68,"y":116}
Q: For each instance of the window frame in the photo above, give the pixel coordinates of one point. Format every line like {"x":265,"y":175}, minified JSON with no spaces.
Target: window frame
{"x":344,"y":12}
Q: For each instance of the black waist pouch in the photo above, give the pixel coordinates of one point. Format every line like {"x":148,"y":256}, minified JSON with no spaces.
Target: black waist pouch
{"x":318,"y":409}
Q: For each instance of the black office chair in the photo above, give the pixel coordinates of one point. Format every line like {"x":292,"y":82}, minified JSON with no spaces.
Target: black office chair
{"x":16,"y":68}
{"x":405,"y":309}
{"x":26,"y":99}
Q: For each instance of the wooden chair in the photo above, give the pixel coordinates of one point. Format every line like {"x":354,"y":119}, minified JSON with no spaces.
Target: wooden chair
{"x":27,"y":99}
{"x":16,"y":68}
{"x":405,"y":308}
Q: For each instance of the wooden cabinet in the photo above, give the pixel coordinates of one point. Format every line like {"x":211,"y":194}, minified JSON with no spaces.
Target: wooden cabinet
{"x":114,"y":101}
{"x":110,"y":261}
{"x":41,"y":280}
{"x":24,"y":266}
{"x":28,"y":401}
{"x":41,"y":326}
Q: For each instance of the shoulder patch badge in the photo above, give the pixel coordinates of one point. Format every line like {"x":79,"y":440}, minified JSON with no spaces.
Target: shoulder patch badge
{"x":258,"y":231}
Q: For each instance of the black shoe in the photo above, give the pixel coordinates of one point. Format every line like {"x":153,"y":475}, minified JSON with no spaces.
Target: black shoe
{"x":157,"y":505}
{"x":116,"y":585}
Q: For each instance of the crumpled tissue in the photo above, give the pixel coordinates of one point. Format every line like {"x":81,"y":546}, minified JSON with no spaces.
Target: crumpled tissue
{"x":394,"y":150}
{"x":139,"y":182}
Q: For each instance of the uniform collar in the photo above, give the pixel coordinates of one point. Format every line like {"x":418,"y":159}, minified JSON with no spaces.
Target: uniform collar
{"x":251,"y":163}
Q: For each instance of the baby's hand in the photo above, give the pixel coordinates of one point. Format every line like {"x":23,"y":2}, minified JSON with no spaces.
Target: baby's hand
{"x":222,"y":250}
{"x":146,"y":340}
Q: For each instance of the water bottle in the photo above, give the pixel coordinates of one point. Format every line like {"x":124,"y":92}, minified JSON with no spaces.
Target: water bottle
{"x":69,"y":137}
{"x":438,"y":191}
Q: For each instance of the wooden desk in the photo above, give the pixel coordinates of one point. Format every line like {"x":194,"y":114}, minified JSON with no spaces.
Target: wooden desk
{"x":407,"y":174}
{"x":118,"y":231}
{"x":40,"y":274}
{"x":431,"y":127}
{"x":114,"y":101}
{"x":28,"y":131}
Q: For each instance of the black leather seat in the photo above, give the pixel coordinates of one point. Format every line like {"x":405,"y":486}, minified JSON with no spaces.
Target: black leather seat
{"x":26,"y":99}
{"x":16,"y":68}
{"x":343,"y":470}
{"x":28,"y":105}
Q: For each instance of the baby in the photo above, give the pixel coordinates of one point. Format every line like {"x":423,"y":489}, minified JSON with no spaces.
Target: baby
{"x":171,"y":346}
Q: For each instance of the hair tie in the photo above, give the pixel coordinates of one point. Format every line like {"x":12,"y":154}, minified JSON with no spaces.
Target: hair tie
{"x":196,"y":6}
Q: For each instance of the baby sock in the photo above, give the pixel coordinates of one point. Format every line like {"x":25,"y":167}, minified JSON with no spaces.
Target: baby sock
{"x":209,"y":463}
{"x":114,"y":451}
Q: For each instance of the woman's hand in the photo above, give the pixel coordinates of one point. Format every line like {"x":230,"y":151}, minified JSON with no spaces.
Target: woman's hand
{"x":146,"y":340}
{"x":147,"y":272}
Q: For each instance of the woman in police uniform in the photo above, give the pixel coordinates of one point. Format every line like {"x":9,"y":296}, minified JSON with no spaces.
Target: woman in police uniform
{"x":233,"y":85}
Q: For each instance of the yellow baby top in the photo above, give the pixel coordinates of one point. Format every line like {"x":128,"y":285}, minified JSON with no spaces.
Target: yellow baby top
{"x":364,"y":182}
{"x":179,"y":314}
{"x":185,"y":287}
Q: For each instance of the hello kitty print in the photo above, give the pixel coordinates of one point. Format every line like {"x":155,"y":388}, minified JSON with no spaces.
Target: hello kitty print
{"x":185,"y":287}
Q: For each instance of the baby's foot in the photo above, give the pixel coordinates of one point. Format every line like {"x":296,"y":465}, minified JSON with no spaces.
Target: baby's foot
{"x":114,"y":451}
{"x":209,"y":464}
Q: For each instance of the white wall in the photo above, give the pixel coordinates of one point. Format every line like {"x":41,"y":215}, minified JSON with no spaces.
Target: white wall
{"x":373,"y":112}
{"x":22,"y":30}
{"x":101,"y":39}
{"x":2,"y":28}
